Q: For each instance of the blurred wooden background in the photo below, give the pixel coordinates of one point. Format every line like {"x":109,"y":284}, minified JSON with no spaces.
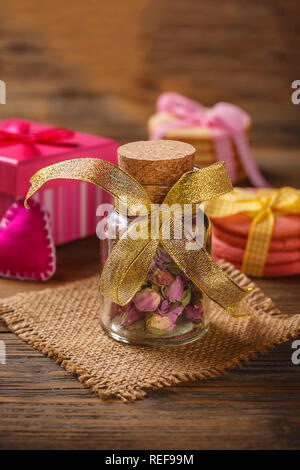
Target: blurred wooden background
{"x":99,"y":65}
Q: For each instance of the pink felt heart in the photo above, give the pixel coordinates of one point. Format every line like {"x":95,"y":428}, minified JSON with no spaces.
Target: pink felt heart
{"x":27,"y":250}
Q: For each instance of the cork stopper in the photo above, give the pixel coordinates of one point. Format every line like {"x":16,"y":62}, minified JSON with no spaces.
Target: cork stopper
{"x":156,"y":164}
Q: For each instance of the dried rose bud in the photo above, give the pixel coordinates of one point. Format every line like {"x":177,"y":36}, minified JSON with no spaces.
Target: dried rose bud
{"x":186,"y":296}
{"x":159,"y":324}
{"x":164,"y":306}
{"x":162,"y":258}
{"x":129,"y":316}
{"x":175,"y":290}
{"x":147,"y":300}
{"x":194,"y":314}
{"x":162,"y":278}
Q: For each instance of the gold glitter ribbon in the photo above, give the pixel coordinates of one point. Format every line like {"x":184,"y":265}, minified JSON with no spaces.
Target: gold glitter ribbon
{"x":262,"y":206}
{"x":127,"y":265}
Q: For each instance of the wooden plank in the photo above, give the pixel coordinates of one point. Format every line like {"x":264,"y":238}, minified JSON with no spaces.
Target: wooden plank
{"x":101,"y":68}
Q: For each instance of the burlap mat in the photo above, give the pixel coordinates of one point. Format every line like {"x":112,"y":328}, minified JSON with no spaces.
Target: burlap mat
{"x":63,"y":323}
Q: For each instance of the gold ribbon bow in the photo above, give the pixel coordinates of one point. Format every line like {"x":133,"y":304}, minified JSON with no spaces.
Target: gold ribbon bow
{"x":261,"y":206}
{"x":127,"y":265}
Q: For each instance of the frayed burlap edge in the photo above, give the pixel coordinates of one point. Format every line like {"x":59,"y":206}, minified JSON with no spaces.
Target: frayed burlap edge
{"x":24,"y":328}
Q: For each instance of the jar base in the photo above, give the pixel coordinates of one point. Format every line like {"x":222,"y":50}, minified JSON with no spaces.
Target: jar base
{"x":153,"y":341}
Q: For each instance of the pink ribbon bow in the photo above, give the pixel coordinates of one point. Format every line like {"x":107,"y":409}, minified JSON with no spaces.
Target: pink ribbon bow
{"x":227,"y":123}
{"x":17,"y":131}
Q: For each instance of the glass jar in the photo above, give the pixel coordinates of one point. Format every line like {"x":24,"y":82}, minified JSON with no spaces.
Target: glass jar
{"x":167,"y":310}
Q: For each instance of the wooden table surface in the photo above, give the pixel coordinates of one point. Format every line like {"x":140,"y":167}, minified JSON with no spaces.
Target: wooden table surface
{"x":257,"y":407}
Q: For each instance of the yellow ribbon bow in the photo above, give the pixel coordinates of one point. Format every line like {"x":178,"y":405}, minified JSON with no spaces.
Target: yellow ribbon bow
{"x":127,"y":265}
{"x":261,"y":206}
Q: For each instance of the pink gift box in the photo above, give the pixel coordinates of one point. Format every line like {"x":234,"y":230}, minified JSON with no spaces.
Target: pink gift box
{"x":26,"y":147}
